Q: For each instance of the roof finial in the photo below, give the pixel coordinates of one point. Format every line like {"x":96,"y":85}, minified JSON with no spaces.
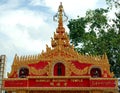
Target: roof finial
{"x":60,"y":37}
{"x":60,"y":3}
{"x":60,"y":16}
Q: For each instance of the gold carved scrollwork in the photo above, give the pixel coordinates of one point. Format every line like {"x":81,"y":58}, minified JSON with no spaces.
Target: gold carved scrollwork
{"x":38,"y":72}
{"x":78,"y":71}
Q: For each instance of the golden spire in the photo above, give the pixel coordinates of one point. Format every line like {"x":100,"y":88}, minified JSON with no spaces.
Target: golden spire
{"x":60,"y":37}
{"x":60,"y":15}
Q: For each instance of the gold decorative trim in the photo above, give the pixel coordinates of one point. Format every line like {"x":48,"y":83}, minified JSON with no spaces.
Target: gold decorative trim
{"x":63,"y":88}
{"x":38,"y":72}
{"x":78,"y":71}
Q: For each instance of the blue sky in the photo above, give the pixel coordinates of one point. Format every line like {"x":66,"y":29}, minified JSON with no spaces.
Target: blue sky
{"x":26,"y":26}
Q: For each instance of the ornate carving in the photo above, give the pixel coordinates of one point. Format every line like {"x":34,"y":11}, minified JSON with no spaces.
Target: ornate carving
{"x":64,"y":55}
{"x":78,"y":71}
{"x":38,"y":72}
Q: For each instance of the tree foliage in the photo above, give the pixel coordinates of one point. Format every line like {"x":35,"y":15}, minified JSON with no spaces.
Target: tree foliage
{"x":94,"y":34}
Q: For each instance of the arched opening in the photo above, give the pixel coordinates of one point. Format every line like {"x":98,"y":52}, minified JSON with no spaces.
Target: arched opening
{"x":95,"y":72}
{"x":23,"y":72}
{"x":59,"y":69}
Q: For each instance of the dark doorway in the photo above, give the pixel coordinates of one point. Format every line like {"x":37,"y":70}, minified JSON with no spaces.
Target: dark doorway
{"x":23,"y":72}
{"x":59,"y":69}
{"x":95,"y":72}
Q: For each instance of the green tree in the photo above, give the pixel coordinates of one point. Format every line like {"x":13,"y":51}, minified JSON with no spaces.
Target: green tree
{"x":114,"y":57}
{"x":84,"y":31}
{"x":94,"y":34}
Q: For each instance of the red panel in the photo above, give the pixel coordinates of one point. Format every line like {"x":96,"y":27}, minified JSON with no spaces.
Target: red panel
{"x":78,"y":83}
{"x":59,"y":83}
{"x":80,"y":65}
{"x":15,"y":83}
{"x":56,"y":70}
{"x":102,"y":83}
{"x":38,"y":83}
{"x":39,"y":65}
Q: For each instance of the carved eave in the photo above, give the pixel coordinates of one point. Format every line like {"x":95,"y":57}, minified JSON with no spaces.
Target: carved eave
{"x":67,"y":53}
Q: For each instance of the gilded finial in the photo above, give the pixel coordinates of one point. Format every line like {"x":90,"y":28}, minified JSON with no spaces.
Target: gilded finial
{"x":60,"y":16}
{"x":60,"y":37}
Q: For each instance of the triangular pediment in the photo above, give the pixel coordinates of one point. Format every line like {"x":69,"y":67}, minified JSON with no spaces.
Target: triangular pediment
{"x":59,"y":52}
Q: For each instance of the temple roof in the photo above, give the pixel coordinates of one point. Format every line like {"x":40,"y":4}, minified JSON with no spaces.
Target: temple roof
{"x":60,"y":38}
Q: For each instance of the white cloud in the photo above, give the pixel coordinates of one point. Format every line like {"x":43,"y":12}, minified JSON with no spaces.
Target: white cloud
{"x":24,"y":17}
{"x":18,"y":26}
{"x":21,"y":27}
{"x":37,"y":2}
{"x":10,"y":4}
{"x":23,"y":32}
{"x":73,"y":7}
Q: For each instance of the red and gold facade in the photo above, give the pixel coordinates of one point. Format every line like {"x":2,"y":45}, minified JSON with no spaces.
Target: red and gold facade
{"x":60,"y":69}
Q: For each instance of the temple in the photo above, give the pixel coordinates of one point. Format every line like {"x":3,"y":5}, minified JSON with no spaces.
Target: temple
{"x":60,"y":69}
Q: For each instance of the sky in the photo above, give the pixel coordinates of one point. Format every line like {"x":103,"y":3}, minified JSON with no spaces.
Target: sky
{"x":26,"y":26}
